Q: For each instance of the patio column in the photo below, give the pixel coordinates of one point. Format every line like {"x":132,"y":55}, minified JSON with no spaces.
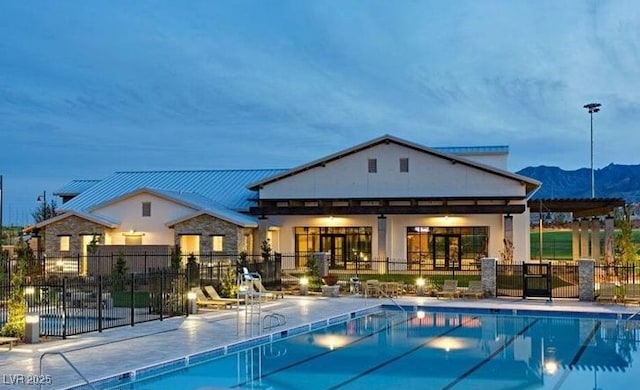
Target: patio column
{"x":595,"y":239}
{"x":382,"y":238}
{"x":608,"y":240}
{"x":508,"y":228}
{"x":575,"y":240}
{"x":584,"y":239}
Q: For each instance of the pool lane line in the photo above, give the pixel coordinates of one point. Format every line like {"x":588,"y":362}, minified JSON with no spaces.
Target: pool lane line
{"x":491,"y":356}
{"x":398,"y":357}
{"x":578,"y":355}
{"x":319,"y":355}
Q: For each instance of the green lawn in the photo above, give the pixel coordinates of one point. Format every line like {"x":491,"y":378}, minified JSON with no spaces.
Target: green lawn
{"x":556,"y":244}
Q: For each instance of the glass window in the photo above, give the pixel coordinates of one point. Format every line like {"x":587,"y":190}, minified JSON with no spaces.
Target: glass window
{"x":346,"y":245}
{"x":471,"y":246}
{"x":373,"y":165}
{"x":404,"y":165}
{"x":133,"y":240}
{"x":146,"y":209}
{"x":65,"y":243}
{"x":217,"y":243}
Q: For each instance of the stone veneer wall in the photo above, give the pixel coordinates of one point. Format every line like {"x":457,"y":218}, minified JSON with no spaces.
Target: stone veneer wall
{"x":206,"y":226}
{"x":586,"y":278}
{"x":488,"y":275}
{"x":73,"y":226}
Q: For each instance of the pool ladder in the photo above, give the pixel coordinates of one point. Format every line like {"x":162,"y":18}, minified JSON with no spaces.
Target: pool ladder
{"x":626,"y":321}
{"x":68,"y":362}
{"x":274,"y":320}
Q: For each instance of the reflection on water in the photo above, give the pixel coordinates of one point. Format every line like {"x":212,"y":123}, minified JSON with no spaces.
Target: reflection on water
{"x":445,"y":350}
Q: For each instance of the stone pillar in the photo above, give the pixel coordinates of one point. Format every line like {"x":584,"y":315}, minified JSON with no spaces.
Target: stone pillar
{"x":586,"y":279}
{"x":488,"y":275}
{"x":575,"y":240}
{"x":382,"y":237}
{"x":508,"y":228}
{"x":595,"y":239}
{"x":584,"y":239}
{"x":608,"y":240}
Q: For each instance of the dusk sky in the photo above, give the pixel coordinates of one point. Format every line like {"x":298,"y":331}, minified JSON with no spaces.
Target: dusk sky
{"x":88,"y":88}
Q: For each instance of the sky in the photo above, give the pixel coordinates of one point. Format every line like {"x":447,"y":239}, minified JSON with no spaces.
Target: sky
{"x":88,"y":88}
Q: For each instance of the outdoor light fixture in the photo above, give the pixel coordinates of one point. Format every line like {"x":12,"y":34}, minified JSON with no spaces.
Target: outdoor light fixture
{"x":591,"y":109}
{"x":32,"y":328}
{"x":193,"y":304}
{"x":304,"y":285}
{"x":420,"y":282}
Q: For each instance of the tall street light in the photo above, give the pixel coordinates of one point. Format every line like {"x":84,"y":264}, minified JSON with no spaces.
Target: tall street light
{"x":591,"y":108}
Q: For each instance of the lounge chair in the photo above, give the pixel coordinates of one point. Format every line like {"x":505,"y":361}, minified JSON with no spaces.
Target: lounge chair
{"x":272,"y":294}
{"x":449,"y":289}
{"x":607,"y":293}
{"x":474,"y":290}
{"x":213,"y":294}
{"x":631,"y":293}
{"x":204,"y":301}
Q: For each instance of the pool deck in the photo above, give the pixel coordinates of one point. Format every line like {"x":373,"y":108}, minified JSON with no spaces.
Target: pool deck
{"x":125,"y":349}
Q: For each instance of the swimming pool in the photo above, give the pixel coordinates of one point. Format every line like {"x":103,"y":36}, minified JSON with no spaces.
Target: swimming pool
{"x":430,"y":349}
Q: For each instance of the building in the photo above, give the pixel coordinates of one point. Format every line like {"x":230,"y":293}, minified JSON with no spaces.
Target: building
{"x":387,"y":198}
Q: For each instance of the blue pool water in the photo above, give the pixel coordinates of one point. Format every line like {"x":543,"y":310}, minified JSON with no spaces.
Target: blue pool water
{"x":428,"y":350}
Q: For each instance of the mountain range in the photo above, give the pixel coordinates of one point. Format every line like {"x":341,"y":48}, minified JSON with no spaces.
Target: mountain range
{"x":612,"y":181}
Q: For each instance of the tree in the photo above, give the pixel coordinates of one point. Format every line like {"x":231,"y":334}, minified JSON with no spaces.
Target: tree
{"x":45,"y":211}
{"x":15,"y":325}
{"x":626,"y":249}
{"x":119,"y":273}
{"x":266,"y":250}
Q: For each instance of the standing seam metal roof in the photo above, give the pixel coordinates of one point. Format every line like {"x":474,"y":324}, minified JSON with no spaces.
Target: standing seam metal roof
{"x":224,"y":187}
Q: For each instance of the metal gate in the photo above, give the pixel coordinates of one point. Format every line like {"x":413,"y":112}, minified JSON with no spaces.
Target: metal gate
{"x":536,"y":280}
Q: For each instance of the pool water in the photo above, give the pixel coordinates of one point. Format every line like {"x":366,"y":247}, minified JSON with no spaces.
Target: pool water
{"x":430,"y":350}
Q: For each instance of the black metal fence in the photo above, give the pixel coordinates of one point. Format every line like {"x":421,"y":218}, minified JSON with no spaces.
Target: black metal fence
{"x":211,"y":267}
{"x":77,"y":305}
{"x":510,"y":280}
{"x":619,"y":274}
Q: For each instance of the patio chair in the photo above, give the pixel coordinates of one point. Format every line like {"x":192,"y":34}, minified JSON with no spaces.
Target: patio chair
{"x":213,"y":294}
{"x":607,"y":293}
{"x":204,"y":301}
{"x":372,"y":288}
{"x":449,"y":289}
{"x":474,"y":290}
{"x":631,"y":293}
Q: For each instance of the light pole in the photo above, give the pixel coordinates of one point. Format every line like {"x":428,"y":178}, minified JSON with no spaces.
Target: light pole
{"x":43,"y":198}
{"x":591,"y":108}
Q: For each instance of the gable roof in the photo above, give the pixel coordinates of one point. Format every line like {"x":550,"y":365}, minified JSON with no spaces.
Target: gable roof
{"x":99,"y":219}
{"x":200,"y":204}
{"x":531,"y":184}
{"x":224,"y":188}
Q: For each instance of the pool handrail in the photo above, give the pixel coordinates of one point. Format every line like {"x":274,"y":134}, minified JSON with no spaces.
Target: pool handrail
{"x":68,"y":362}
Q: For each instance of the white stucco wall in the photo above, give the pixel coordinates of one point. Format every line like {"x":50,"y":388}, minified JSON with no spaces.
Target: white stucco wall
{"x":129,"y":212}
{"x":397,"y":230}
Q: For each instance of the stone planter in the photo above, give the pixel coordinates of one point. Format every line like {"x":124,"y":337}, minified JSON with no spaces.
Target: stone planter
{"x":331,"y":291}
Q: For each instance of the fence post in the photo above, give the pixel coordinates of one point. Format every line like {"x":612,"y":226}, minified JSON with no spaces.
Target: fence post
{"x":133,"y":312}
{"x":161,"y":294}
{"x":64,"y":308}
{"x":78,"y":263}
{"x":99,"y":303}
